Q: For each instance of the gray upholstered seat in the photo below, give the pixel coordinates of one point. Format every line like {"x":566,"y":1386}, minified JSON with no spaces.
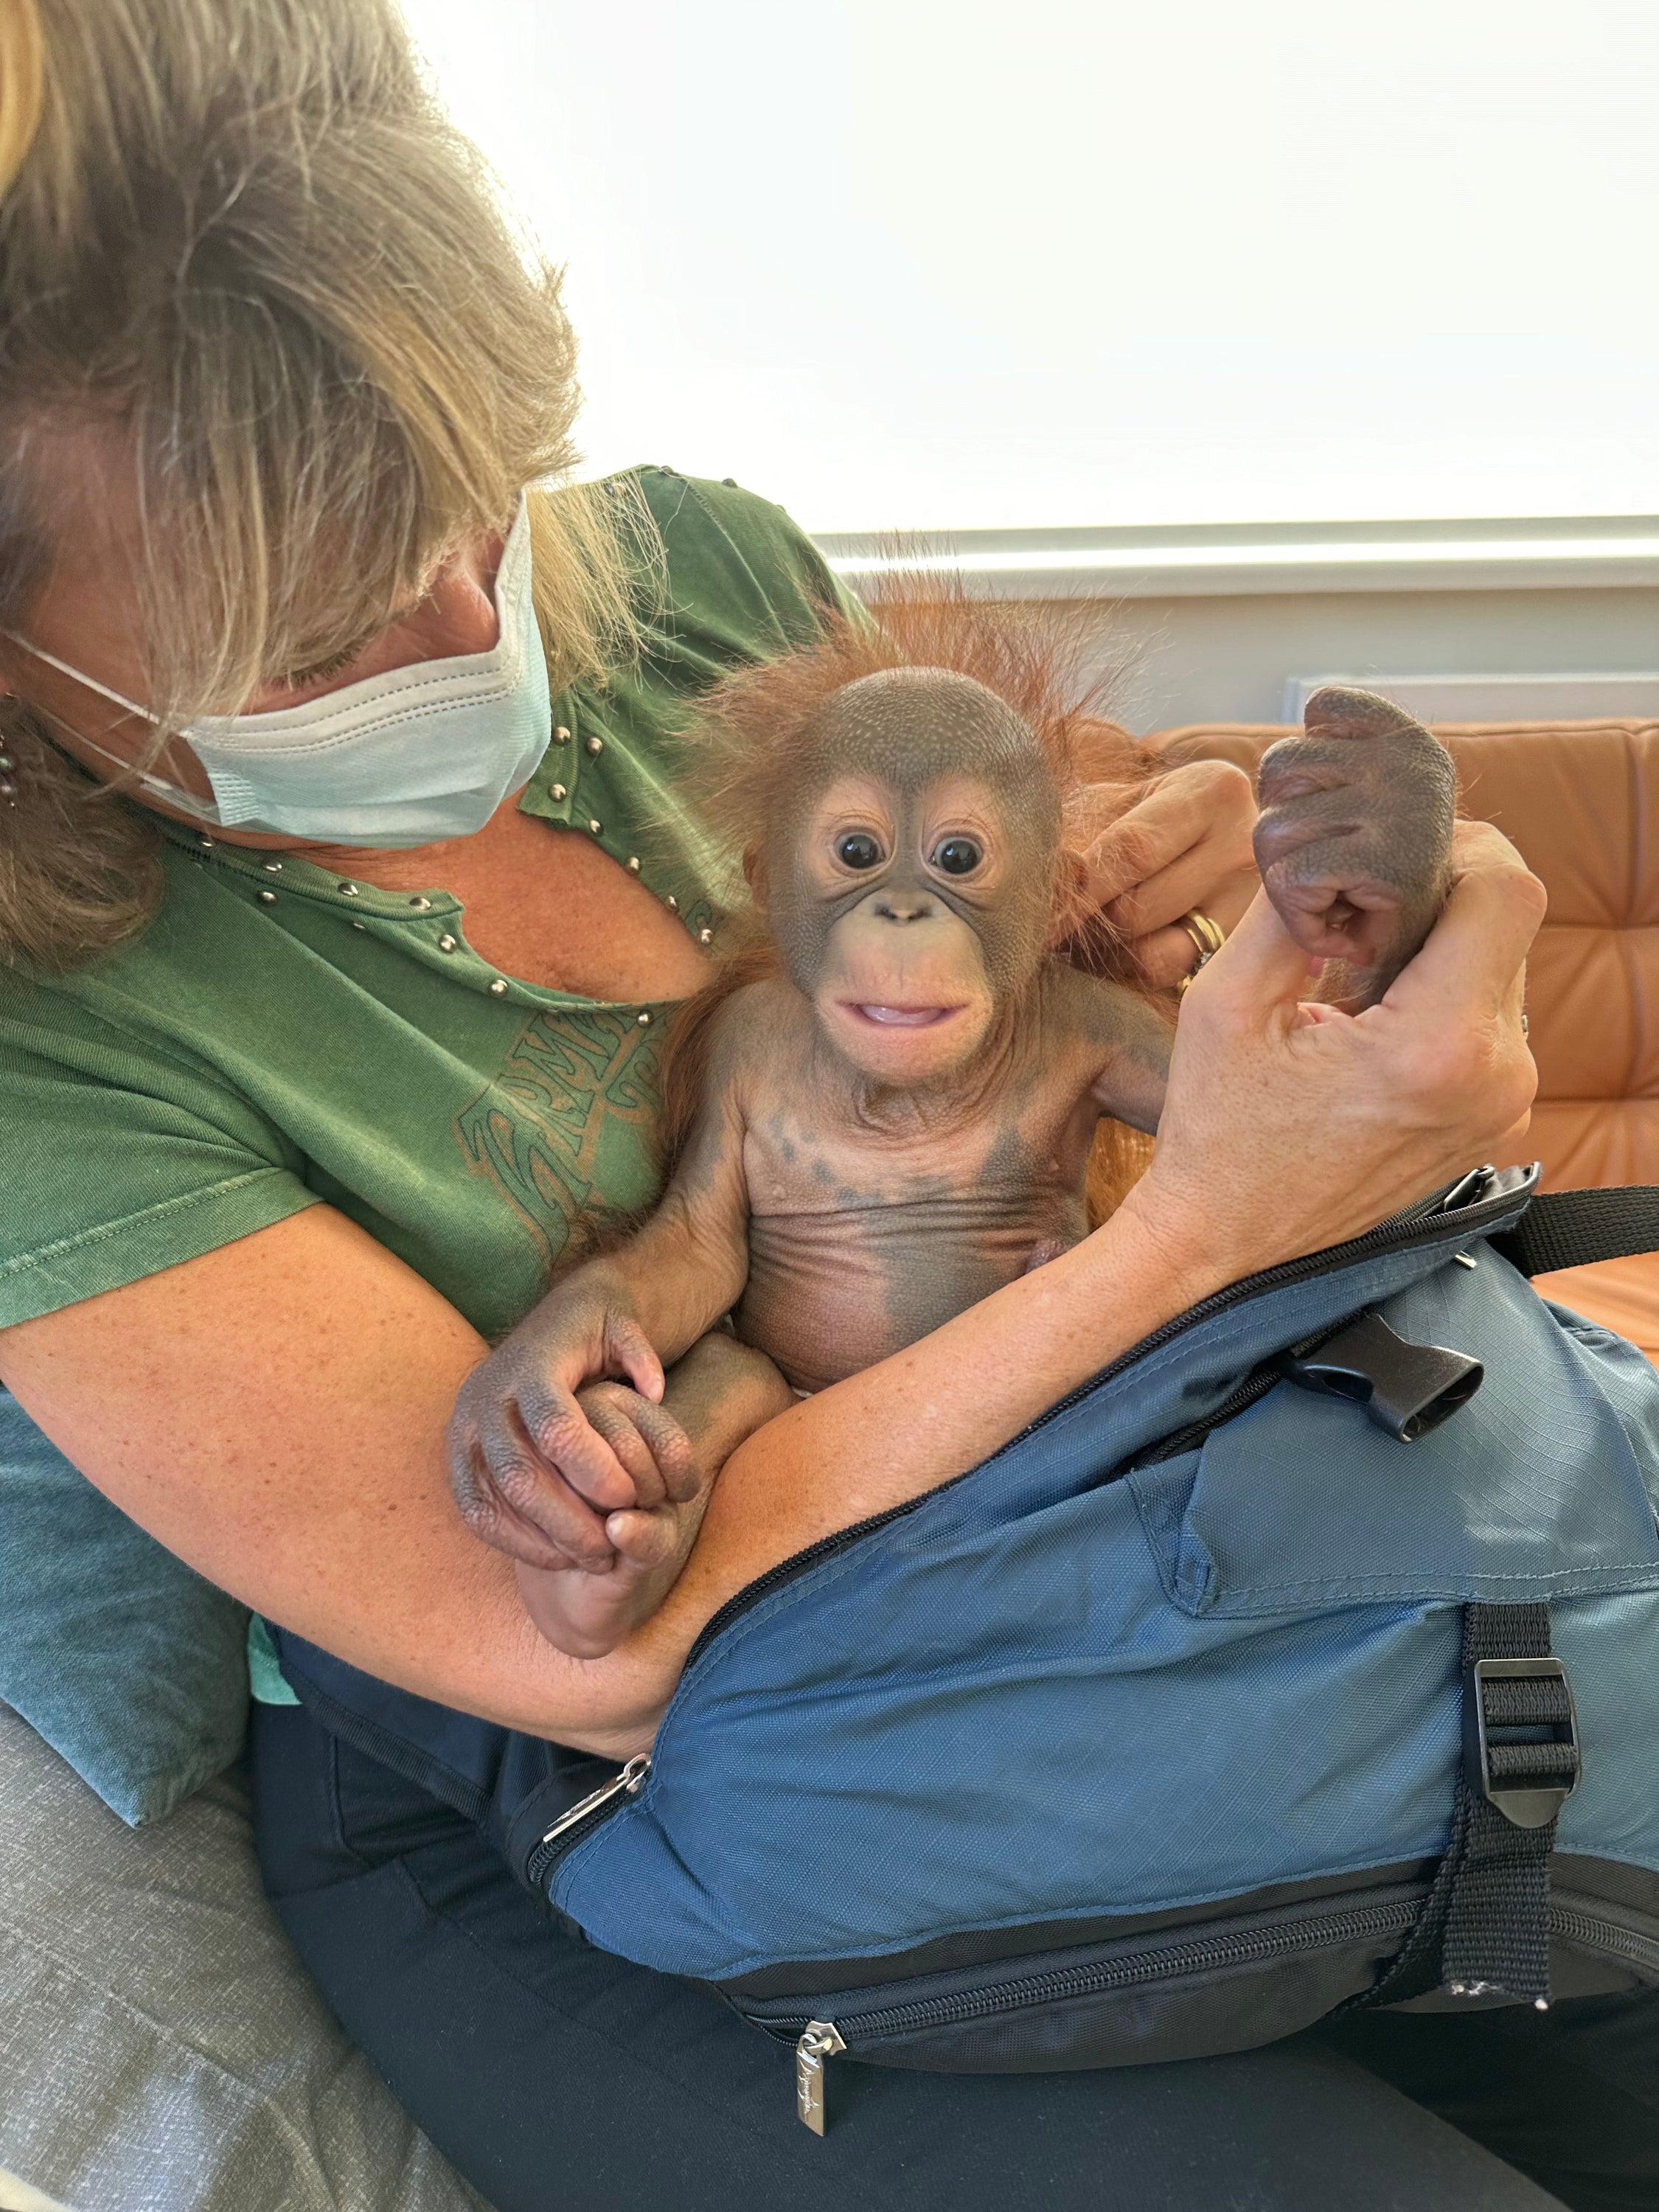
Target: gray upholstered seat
{"x":161,"y":2049}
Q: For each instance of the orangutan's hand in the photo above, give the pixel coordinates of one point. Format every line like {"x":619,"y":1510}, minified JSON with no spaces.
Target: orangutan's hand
{"x":1291,"y":1125}
{"x":1183,"y":842}
{"x":538,"y":1462}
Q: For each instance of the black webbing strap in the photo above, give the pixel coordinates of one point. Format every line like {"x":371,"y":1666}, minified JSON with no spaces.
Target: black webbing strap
{"x":1484,"y":1928}
{"x":1519,"y":1736}
{"x":1572,"y":1228}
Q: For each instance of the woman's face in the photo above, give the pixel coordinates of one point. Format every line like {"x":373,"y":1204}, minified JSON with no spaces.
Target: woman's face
{"x":89,"y":614}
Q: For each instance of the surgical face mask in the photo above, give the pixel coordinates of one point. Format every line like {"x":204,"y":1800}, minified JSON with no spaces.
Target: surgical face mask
{"x":411,"y":757}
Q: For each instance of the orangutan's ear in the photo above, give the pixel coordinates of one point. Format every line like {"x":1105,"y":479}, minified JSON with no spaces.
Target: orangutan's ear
{"x":754,"y":869}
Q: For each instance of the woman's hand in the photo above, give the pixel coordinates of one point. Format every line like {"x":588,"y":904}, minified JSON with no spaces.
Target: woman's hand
{"x":1290,"y":1127}
{"x":1185,"y":842}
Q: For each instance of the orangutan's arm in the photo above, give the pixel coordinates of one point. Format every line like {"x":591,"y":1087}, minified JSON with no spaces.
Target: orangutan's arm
{"x":1133,"y":1040}
{"x":532,"y":1475}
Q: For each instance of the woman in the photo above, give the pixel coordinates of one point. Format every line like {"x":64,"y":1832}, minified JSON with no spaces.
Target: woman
{"x":352,"y":992}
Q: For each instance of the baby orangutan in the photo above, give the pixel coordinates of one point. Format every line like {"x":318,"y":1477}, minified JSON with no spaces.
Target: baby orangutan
{"x":882,"y":1111}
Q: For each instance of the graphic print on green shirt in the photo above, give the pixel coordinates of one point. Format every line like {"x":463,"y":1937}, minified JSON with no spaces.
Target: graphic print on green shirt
{"x":572,"y":1088}
{"x":280,"y":1035}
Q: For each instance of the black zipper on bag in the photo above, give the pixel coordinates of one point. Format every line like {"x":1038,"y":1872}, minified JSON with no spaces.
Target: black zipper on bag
{"x":1254,"y":1387}
{"x":860,"y":2033}
{"x":1593,"y":1931}
{"x":1161,"y":1962}
{"x":856,"y":2033}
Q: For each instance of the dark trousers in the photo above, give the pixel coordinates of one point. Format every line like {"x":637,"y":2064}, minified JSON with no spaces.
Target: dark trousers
{"x":560,"y":2079}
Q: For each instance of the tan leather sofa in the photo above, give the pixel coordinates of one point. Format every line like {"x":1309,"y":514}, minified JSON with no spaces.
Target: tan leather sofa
{"x":1581,"y":801}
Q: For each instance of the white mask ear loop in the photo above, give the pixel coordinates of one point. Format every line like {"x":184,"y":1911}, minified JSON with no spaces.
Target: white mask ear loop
{"x":175,"y":794}
{"x":68,"y":668}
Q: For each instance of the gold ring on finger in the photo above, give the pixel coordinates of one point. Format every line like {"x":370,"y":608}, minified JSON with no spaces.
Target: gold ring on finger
{"x":1207,"y":935}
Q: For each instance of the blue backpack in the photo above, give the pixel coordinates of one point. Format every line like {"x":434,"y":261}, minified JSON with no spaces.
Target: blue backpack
{"x":1306,"y":1658}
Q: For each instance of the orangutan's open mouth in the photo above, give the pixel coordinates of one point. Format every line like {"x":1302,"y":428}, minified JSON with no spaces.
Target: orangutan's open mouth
{"x":904,"y":1017}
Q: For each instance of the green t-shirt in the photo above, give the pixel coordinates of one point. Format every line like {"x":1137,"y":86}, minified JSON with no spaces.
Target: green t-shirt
{"x":281,"y":1036}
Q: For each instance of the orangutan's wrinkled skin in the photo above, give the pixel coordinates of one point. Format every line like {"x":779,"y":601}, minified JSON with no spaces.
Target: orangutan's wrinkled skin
{"x":1354,"y":838}
{"x":899,"y":1123}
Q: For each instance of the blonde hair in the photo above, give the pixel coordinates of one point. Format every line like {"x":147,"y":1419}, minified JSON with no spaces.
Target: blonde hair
{"x":246,"y":258}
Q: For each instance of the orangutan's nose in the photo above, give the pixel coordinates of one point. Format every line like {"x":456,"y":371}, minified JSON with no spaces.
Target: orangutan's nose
{"x":906,"y":906}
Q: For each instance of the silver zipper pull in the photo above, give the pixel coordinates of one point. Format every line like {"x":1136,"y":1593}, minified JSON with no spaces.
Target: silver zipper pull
{"x":820,"y":2041}
{"x":631,"y":1778}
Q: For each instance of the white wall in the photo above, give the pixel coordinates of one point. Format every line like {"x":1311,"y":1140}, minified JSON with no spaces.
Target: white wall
{"x":968,"y":263}
{"x":1226,"y":659}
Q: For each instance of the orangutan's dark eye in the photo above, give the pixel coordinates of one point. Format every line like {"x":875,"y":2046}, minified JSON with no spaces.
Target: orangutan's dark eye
{"x":958,"y":856}
{"x":858,"y":849}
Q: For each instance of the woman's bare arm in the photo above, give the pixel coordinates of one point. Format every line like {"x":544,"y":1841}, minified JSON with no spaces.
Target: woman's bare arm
{"x":275,"y":1412}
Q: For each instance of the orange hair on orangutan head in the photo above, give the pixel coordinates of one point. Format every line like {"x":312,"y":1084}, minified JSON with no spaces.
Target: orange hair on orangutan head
{"x":755,"y":732}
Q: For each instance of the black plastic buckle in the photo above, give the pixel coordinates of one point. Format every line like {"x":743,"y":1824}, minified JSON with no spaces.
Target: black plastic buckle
{"x":1521,"y":1747}
{"x":1405,"y":1388}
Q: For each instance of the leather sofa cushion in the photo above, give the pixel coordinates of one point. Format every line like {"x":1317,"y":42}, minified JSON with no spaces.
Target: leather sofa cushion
{"x":1623,"y":1294}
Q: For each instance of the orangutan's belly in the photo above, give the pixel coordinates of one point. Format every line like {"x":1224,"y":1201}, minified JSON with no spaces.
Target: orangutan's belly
{"x":829,"y":1293}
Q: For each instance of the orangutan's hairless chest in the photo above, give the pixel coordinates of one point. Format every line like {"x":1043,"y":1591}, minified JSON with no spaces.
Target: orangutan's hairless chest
{"x":897,"y":1120}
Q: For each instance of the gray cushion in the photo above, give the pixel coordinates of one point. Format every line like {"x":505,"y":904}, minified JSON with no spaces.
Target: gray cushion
{"x":161,"y":2049}
{"x":127,"y":1662}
